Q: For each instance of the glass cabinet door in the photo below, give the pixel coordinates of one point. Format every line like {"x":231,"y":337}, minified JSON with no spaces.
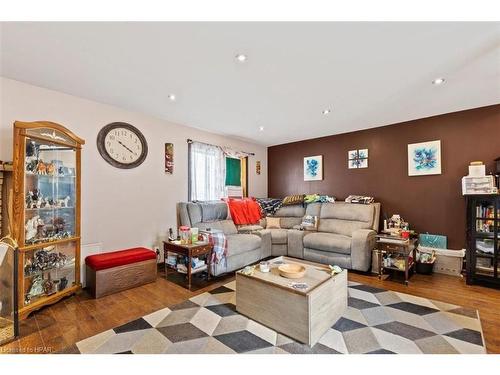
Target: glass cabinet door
{"x":50,"y":191}
{"x":48,"y":270}
{"x":8,"y":309}
{"x":485,"y":243}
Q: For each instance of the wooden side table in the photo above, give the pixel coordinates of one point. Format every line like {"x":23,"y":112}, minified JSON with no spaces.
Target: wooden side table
{"x":393,"y":245}
{"x":189,"y":251}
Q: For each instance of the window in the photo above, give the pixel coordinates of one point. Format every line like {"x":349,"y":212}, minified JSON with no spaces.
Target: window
{"x":215,"y":172}
{"x":207,"y":172}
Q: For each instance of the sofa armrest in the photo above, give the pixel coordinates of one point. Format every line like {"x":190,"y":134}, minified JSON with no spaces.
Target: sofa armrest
{"x":296,"y":243}
{"x":363,"y":243}
{"x":265,"y":245}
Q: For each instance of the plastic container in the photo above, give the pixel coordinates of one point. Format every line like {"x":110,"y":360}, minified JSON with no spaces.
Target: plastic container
{"x":194,"y":235}
{"x":185,"y":234}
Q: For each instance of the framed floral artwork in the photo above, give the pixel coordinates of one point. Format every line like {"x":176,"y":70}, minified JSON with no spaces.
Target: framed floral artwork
{"x":313,"y":168}
{"x":357,"y":159}
{"x":424,"y":158}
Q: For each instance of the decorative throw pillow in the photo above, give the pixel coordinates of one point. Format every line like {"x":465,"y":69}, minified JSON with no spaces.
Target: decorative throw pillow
{"x":293,"y":199}
{"x":273,"y":223}
{"x":309,"y":222}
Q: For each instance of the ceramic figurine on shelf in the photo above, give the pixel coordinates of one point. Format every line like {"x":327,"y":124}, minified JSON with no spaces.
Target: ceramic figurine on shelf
{"x":36,"y":288}
{"x":63,"y":283}
{"x":41,"y":168}
{"x":51,"y":168}
{"x":32,"y":227}
{"x":63,"y":202}
{"x":31,"y":165}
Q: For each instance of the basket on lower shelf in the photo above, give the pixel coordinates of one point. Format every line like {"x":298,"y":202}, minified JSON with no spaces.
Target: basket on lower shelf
{"x":425,"y":268}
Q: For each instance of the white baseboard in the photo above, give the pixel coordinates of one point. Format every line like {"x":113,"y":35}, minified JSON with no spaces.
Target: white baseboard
{"x":86,"y":250}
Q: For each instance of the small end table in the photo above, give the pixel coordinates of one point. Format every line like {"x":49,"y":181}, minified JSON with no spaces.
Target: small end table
{"x":396,"y":245}
{"x":189,"y":251}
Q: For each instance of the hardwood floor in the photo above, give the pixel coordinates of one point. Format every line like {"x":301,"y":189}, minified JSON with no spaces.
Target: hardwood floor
{"x":60,"y":326}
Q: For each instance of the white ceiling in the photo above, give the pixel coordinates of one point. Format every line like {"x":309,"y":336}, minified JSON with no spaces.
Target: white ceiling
{"x":369,"y":74}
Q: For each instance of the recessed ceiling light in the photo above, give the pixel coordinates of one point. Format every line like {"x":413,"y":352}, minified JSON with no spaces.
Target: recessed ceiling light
{"x":438,"y":81}
{"x":326,"y":111}
{"x":261,"y":128}
{"x":172,"y":97}
{"x":240,"y":57}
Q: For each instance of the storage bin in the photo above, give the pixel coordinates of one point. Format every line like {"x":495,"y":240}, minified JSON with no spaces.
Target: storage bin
{"x":448,"y":262}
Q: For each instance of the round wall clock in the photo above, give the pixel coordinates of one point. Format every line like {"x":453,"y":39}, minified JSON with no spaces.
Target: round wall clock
{"x":122,"y":145}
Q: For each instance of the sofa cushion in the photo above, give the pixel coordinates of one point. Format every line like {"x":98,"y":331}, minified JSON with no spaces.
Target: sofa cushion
{"x":249,"y":228}
{"x":194,"y":211}
{"x":345,"y":218}
{"x":331,"y":242}
{"x":279,"y":236}
{"x":227,"y":226}
{"x":241,"y":243}
{"x":294,"y":211}
{"x":313,"y":209}
{"x":213,"y":211}
{"x":290,"y":222}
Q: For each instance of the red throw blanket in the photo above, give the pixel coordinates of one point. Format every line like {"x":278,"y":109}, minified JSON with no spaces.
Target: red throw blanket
{"x":244,"y":211}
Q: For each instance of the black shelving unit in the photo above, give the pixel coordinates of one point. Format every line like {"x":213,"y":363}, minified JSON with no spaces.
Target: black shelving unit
{"x":483,"y":243}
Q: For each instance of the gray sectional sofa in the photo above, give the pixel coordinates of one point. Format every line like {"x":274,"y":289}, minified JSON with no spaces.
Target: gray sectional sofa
{"x":242,"y":248}
{"x":345,"y":236}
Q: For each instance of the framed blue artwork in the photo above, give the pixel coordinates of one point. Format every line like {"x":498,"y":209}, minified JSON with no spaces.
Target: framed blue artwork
{"x":424,"y":158}
{"x":313,"y":168}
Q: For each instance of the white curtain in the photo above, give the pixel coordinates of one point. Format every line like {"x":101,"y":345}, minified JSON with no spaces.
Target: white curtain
{"x":207,"y":172}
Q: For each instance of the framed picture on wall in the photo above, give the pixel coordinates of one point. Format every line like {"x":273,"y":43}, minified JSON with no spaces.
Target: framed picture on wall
{"x":424,"y":158}
{"x":169,"y":158}
{"x":313,"y":168}
{"x":357,"y":159}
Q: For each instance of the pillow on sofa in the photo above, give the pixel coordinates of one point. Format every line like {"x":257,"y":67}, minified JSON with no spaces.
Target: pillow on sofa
{"x":293,"y":199}
{"x":309,"y":222}
{"x":273,"y":223}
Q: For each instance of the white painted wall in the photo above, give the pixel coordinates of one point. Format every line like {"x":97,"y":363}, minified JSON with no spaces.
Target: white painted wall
{"x":120,"y":208}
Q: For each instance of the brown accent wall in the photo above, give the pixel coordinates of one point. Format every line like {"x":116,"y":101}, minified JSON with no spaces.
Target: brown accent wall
{"x":431,"y":204}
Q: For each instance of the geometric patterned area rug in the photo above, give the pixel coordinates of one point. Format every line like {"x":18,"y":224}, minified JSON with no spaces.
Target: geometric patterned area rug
{"x":376,"y":321}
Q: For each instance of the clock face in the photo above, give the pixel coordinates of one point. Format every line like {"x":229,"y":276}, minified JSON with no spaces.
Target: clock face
{"x":122,"y":145}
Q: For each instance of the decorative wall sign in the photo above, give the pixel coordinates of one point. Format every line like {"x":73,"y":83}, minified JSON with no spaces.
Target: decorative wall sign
{"x":424,"y":158}
{"x":313,"y":168}
{"x":257,"y":167}
{"x":169,"y":158}
{"x":357,"y":158}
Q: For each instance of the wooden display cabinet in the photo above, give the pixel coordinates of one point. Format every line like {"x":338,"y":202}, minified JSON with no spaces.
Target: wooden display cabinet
{"x":47,"y":184}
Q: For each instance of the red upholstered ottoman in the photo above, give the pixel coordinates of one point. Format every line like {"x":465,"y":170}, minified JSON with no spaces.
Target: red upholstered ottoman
{"x":115,"y":271}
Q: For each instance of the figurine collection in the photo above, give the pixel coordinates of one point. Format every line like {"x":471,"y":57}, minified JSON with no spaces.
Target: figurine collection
{"x":35,"y":199}
{"x":40,"y":286}
{"x":35,"y":165}
{"x":36,"y":230}
{"x":44,"y":260}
